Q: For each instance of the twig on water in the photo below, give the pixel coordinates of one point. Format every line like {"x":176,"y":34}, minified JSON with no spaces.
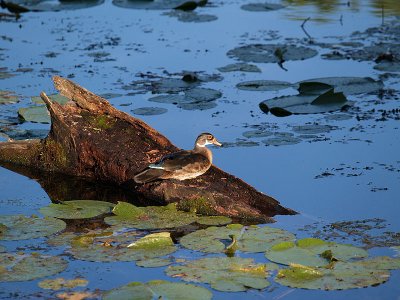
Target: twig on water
{"x":305,"y":31}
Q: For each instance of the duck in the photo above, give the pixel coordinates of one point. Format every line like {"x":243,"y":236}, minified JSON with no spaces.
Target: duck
{"x":181,"y":165}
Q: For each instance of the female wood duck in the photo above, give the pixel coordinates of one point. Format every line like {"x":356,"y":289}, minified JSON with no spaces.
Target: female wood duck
{"x":181,"y":165}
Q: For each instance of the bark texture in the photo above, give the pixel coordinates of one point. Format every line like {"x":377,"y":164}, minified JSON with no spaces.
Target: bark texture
{"x":92,"y":139}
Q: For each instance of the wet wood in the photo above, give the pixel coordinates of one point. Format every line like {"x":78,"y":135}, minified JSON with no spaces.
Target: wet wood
{"x":92,"y":139}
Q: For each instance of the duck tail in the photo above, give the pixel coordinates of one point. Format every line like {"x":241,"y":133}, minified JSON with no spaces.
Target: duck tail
{"x":148,"y":175}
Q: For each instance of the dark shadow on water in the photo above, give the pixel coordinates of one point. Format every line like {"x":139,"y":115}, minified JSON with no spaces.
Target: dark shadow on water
{"x":61,"y":187}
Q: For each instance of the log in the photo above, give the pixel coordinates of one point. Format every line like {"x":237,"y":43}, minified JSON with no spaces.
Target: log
{"x":90,"y":138}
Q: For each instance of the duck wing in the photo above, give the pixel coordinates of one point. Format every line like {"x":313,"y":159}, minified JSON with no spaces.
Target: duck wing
{"x":181,"y":160}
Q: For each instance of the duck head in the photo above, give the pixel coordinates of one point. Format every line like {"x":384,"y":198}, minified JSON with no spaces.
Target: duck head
{"x":205,"y":139}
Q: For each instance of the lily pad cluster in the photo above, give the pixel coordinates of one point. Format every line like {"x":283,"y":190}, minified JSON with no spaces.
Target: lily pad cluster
{"x":153,"y":217}
{"x":7,"y":97}
{"x":158,"y":289}
{"x":20,"y":227}
{"x":227,"y":274}
{"x":77,"y":209}
{"x":26,"y":5}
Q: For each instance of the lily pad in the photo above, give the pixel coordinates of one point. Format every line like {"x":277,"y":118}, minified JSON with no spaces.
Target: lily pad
{"x":3,"y":249}
{"x":35,"y":114}
{"x":149,"y":111}
{"x":125,"y":246}
{"x":266,"y":53}
{"x":158,"y":289}
{"x":214,"y":220}
{"x":313,"y":97}
{"x":77,"y":209}
{"x":154,"y":262}
{"x":282,"y":139}
{"x":146,"y":4}
{"x":257,"y":133}
{"x":21,"y":227}
{"x":150,"y":217}
{"x":61,"y":283}
{"x":60,"y":99}
{"x":349,"y":85}
{"x":24,"y":267}
{"x":263,"y":85}
{"x":313,"y":129}
{"x":248,"y":239}
{"x":57,"y":5}
{"x":240,"y":67}
{"x":341,"y":276}
{"x":262,"y":6}
{"x":312,"y":252}
{"x":7,"y":97}
{"x":190,"y":16}
{"x":227,"y":274}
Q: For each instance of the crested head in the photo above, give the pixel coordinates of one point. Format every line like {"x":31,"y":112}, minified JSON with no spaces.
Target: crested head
{"x":206,"y":138}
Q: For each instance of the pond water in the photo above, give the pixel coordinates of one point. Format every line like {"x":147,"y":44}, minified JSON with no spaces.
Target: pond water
{"x":330,"y":167}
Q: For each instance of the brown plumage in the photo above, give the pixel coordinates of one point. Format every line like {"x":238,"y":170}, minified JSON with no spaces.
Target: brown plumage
{"x":181,"y":165}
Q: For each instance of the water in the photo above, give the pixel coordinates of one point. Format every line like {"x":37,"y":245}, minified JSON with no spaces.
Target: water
{"x":140,"y":41}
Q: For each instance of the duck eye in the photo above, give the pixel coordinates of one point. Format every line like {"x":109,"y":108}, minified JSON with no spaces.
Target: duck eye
{"x":210,"y":137}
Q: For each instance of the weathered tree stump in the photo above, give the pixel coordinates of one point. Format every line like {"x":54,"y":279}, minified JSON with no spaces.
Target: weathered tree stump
{"x":92,"y":139}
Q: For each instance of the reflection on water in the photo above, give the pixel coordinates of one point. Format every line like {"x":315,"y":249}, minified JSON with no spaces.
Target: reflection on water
{"x":389,"y":7}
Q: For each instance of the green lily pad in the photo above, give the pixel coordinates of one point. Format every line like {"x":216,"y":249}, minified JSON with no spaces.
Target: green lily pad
{"x":227,"y":274}
{"x":24,"y":267}
{"x":158,"y":289}
{"x":313,"y":97}
{"x":77,"y":209}
{"x":248,"y":239}
{"x":60,"y":99}
{"x":312,"y":252}
{"x":146,"y":4}
{"x":266,"y":53}
{"x":4,"y":73}
{"x":154,"y":262}
{"x":349,"y":85}
{"x":282,"y":139}
{"x":21,"y":227}
{"x":124,"y":246}
{"x":214,"y":220}
{"x":35,"y":114}
{"x":240,"y":67}
{"x":149,"y":111}
{"x":342,"y":276}
{"x":257,"y":133}
{"x":381,"y":263}
{"x":61,"y":283}
{"x":263,"y":85}
{"x":150,"y":217}
{"x":7,"y":97}
{"x":262,"y":7}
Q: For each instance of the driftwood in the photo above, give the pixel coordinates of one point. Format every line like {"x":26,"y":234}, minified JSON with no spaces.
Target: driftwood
{"x":90,"y":138}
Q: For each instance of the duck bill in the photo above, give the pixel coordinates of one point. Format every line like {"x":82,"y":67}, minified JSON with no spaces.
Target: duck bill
{"x":217,"y":143}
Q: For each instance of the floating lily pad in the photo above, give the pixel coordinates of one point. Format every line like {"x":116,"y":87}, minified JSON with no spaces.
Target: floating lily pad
{"x":249,"y":239}
{"x":313,"y":129}
{"x":154,"y":240}
{"x":262,"y":6}
{"x":7,"y":97}
{"x":348,"y":85}
{"x":35,"y":114}
{"x":77,"y":209}
{"x":313,"y":97}
{"x":341,"y":276}
{"x":381,"y":263}
{"x":21,"y":227}
{"x":57,"y":5}
{"x":149,"y":111}
{"x":61,"y":283}
{"x":4,"y":73}
{"x":2,"y":249}
{"x":227,"y":274}
{"x":120,"y":247}
{"x":154,"y":262}
{"x":257,"y":133}
{"x":149,"y":217}
{"x":22,"y":134}
{"x":312,"y":252}
{"x":214,"y":220}
{"x":172,"y":85}
{"x":266,"y":53}
{"x":282,"y":139}
{"x":388,"y":66}
{"x":24,"y":267}
{"x":190,"y":16}
{"x":158,"y":289}
{"x":263,"y":85}
{"x":60,"y":99}
{"x":240,"y":67}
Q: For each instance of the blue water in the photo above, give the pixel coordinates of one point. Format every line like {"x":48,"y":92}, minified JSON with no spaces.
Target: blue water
{"x":152,"y":42}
